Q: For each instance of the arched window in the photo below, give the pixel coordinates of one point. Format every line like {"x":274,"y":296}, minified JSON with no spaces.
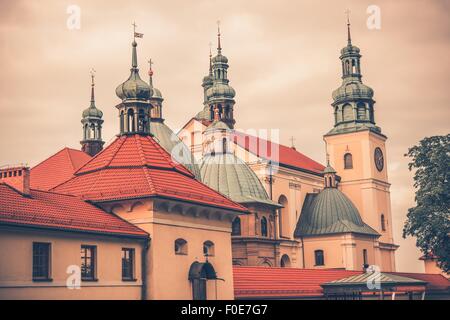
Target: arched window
{"x":208,"y":248}
{"x":264,"y":226}
{"x":142,"y":121}
{"x":361,"y":111}
{"x":348,"y":161}
{"x":285,"y":261}
{"x":365,"y":261}
{"x":283,"y":216}
{"x":383,"y":223}
{"x":347,"y":112}
{"x":319,"y":258}
{"x":181,"y":246}
{"x":224,"y":145}
{"x":236,"y":227}
{"x":130,"y":121}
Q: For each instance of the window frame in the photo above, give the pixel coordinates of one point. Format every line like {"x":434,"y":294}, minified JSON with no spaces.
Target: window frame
{"x":93,"y":263}
{"x":316,"y":260}
{"x":349,"y":165}
{"x":48,"y":261}
{"x":183,"y":247}
{"x":210,"y":248}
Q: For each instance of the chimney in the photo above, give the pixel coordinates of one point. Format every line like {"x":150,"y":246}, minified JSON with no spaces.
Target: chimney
{"x":17,"y":177}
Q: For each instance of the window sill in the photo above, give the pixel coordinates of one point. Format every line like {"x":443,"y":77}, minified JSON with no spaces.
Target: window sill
{"x":89,"y":280}
{"x":181,"y":254}
{"x":42,"y":279}
{"x":129,"y":280}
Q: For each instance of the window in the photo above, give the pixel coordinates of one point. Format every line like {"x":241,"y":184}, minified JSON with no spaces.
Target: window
{"x":181,"y":246}
{"x":348,"y":161}
{"x":41,"y":261}
{"x":347,"y":112}
{"x":208,"y":248}
{"x":127,"y":264}
{"x":264,"y":226}
{"x":383,"y":223}
{"x":236,"y":227}
{"x":319,"y":258}
{"x":365,"y":261}
{"x":88,"y":262}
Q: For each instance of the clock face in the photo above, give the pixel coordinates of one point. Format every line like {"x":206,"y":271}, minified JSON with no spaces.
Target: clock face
{"x":379,"y":159}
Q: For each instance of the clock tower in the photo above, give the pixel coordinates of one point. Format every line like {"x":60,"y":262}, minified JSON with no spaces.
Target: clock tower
{"x":357,"y":151}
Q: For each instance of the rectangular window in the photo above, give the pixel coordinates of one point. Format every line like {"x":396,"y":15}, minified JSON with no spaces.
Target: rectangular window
{"x":127,"y":264}
{"x":41,"y":261}
{"x":88,"y":262}
{"x":365,"y":261}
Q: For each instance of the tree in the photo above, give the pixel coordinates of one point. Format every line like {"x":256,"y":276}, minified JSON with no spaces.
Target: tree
{"x":429,"y":220}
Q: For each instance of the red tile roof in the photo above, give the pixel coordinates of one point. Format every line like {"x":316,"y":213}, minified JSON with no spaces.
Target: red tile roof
{"x":435,"y":281}
{"x":57,"y":169}
{"x":136,"y":166}
{"x":62,"y":212}
{"x":264,"y":282}
{"x":277,"y":153}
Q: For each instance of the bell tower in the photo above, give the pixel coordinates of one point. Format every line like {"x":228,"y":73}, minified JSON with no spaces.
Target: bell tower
{"x":220,"y":94}
{"x":92,"y":142}
{"x":358,"y":152}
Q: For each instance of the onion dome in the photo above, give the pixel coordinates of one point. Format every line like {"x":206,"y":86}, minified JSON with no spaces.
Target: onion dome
{"x":174,"y":146}
{"x":226,"y":173}
{"x":330,"y":212}
{"x":220,"y":90}
{"x":352,"y":89}
{"x":92,"y":111}
{"x":134,"y":88}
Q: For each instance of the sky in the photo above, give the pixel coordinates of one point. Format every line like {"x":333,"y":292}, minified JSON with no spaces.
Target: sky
{"x":284,"y":65}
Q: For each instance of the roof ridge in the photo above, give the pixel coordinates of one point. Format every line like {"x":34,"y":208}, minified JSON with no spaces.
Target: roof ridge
{"x":70,"y":158}
{"x":46,"y":159}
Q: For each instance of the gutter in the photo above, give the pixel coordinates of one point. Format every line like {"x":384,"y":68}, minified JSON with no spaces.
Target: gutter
{"x":144,"y":271}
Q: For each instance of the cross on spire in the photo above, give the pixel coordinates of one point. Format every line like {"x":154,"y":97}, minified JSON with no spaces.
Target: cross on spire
{"x":136,"y":34}
{"x":92,"y":72}
{"x":349,"y":38}
{"x":150,"y":72}
{"x":292,"y":139}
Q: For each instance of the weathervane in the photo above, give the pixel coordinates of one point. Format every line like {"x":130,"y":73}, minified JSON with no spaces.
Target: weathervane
{"x":136,"y":34}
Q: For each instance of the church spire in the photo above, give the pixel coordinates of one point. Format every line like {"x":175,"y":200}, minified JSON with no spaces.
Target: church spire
{"x":156,"y":99}
{"x":134,"y":110}
{"x":92,"y":125}
{"x":353,"y":102}
{"x":219,"y":46}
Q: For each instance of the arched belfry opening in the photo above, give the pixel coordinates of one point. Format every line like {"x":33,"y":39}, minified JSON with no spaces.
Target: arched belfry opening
{"x":199,"y":275}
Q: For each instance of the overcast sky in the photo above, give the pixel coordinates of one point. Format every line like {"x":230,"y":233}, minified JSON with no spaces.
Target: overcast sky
{"x":284,"y":64}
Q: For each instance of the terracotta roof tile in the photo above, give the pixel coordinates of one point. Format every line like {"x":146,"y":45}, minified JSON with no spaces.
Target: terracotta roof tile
{"x":136,"y":166}
{"x":57,"y":169}
{"x":58,"y":211}
{"x":277,"y":153}
{"x":254,"y":282}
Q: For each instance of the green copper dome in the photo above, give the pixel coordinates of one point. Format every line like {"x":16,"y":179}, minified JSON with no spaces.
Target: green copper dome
{"x":330,"y":212}
{"x":174,"y":146}
{"x":220,"y":90}
{"x":92,"y":112}
{"x":229,"y":175}
{"x":134,"y":88}
{"x":219,"y":58}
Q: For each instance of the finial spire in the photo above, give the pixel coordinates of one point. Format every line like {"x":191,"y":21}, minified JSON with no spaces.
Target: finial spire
{"x":92,"y":72}
{"x":219,"y":46}
{"x":135,"y":35}
{"x":328,"y":159}
{"x":150,"y":72}
{"x":292,"y":139}
{"x":349,"y":38}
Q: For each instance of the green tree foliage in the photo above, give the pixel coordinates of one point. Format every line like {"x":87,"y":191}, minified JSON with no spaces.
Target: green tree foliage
{"x":429,"y":220}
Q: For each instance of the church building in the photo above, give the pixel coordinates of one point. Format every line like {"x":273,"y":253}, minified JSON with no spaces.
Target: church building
{"x":207,"y":213}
